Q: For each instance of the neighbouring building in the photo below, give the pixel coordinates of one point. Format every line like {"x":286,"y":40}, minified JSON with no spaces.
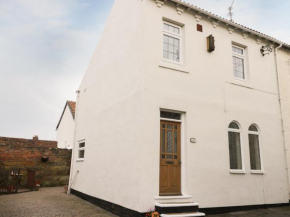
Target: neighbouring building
{"x":66,"y":126}
{"x":180,"y":106}
{"x":38,"y":160}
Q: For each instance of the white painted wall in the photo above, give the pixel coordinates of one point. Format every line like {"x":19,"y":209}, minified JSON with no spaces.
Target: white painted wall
{"x":65,"y":130}
{"x":124,"y":89}
{"x":109,"y":111}
{"x":283,"y":59}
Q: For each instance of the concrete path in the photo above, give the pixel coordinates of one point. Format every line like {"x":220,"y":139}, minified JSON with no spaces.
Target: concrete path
{"x":48,"y":202}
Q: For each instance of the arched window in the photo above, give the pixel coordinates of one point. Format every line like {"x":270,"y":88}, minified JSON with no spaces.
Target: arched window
{"x":234,"y":133}
{"x":254,"y":146}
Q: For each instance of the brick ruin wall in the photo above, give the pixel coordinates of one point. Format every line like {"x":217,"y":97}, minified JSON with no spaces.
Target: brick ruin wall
{"x":26,"y":154}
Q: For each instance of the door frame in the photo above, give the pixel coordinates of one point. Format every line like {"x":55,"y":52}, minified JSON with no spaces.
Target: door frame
{"x":183,"y":137}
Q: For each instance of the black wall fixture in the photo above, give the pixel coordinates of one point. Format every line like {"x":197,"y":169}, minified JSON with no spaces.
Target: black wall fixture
{"x":210,"y":43}
{"x":266,"y":49}
{"x":44,"y":158}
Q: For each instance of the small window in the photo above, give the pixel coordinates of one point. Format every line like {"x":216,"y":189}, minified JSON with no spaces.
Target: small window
{"x":238,"y":62}
{"x":254,"y":146}
{"x":81,"y":150}
{"x":171,"y":42}
{"x":170,"y":115}
{"x":235,"y":149}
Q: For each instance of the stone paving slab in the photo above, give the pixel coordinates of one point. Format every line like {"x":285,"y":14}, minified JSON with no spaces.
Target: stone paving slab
{"x":48,"y":202}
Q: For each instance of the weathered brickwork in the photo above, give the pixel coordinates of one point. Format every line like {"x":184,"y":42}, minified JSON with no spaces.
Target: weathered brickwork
{"x":26,"y":154}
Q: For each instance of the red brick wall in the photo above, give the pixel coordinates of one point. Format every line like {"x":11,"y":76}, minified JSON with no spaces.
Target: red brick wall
{"x":26,"y":154}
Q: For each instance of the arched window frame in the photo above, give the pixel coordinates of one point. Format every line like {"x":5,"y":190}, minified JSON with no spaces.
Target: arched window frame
{"x":241,"y":146}
{"x":260,"y":149}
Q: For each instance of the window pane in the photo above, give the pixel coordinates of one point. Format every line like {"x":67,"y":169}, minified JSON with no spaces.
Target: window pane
{"x":171,"y":48}
{"x":171,"y":28}
{"x":235,"y":151}
{"x":175,"y":142}
{"x":254,"y":152}
{"x":81,"y":153}
{"x":253,"y":128}
{"x":238,"y":50}
{"x":238,"y":64}
{"x":82,"y":145}
{"x":165,"y":39}
{"x":169,"y":146}
{"x":170,"y":115}
{"x":165,"y":26}
{"x":163,"y":140}
{"x":233,"y":125}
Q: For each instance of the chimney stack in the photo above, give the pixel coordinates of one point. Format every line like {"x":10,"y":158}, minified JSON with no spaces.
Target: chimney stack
{"x":35,"y":138}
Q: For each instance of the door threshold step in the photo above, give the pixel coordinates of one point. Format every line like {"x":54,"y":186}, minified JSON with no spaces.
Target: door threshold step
{"x":193,"y":214}
{"x":172,"y":197}
{"x":176,"y":204}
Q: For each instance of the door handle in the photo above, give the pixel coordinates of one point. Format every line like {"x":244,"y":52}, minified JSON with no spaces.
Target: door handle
{"x":179,"y":162}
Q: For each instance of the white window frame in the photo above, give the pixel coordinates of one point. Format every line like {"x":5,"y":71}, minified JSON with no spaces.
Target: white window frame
{"x":261,"y":171}
{"x":241,"y":144}
{"x":241,"y":56}
{"x":174,"y":35}
{"x":81,"y":149}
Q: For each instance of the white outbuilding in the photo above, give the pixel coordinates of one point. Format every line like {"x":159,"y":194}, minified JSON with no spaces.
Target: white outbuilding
{"x":66,"y":125}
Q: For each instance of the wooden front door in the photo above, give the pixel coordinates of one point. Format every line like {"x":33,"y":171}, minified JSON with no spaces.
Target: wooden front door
{"x":30,"y":179}
{"x":170,"y":159}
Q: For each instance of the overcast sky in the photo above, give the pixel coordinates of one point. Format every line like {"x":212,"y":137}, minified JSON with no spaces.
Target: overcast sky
{"x":46,"y":45}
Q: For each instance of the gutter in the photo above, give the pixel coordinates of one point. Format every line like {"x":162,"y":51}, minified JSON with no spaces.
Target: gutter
{"x":281,"y":113}
{"x":71,"y":179}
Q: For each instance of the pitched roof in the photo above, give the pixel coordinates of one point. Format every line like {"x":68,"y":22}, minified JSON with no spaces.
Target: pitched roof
{"x":230,"y":23}
{"x":72,"y":108}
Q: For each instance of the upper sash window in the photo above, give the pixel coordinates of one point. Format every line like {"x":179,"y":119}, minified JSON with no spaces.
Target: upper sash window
{"x":238,"y":54}
{"x":171,"y":42}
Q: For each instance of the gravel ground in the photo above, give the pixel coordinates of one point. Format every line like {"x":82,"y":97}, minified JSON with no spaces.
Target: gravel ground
{"x":270,"y":212}
{"x":48,"y":202}
{"x":53,"y":202}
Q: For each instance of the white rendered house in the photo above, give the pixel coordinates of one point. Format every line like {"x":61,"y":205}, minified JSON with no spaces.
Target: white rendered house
{"x":179,"y":106}
{"x":66,"y":126}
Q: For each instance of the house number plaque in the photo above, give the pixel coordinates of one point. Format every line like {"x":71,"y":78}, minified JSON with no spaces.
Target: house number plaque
{"x":193,"y":140}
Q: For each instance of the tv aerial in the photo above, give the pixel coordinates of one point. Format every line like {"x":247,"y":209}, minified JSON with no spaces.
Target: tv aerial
{"x":231,"y":14}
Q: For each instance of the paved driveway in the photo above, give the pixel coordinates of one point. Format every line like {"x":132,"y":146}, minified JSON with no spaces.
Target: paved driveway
{"x":52,"y":202}
{"x":48,"y":202}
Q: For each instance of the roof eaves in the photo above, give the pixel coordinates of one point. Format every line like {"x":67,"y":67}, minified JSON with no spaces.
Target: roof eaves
{"x":233,"y":24}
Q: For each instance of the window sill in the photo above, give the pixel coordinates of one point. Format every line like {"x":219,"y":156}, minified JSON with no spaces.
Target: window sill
{"x":238,"y":171}
{"x":80,"y":160}
{"x":241,"y":83}
{"x":257,"y":172}
{"x":173,"y":66}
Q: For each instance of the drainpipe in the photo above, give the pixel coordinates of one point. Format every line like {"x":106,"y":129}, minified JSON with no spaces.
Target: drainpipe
{"x":73,"y":148}
{"x":281,"y":113}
